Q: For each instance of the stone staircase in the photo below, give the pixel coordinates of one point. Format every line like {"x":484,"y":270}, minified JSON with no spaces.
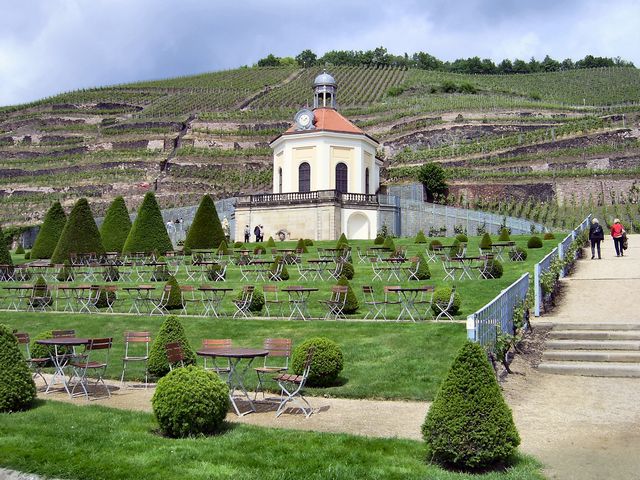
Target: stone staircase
{"x":593,"y":349}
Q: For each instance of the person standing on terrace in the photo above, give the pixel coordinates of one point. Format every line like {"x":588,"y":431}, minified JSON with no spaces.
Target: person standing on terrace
{"x":617,"y":232}
{"x":596,"y":235}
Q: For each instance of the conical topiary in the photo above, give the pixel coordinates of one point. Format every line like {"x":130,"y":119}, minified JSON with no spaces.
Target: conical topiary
{"x":175,"y":295}
{"x":20,"y":250}
{"x":270,"y":243}
{"x":351,"y":305}
{"x":342,"y":241}
{"x":170,"y":331}
{"x":17,"y":389}
{"x":423,"y":268}
{"x":302,"y":245}
{"x":223,"y":249}
{"x":116,"y":226}
{"x":504,"y":235}
{"x":389,"y":245}
{"x":148,"y":232}
{"x":420,"y":238}
{"x":485,"y":241}
{"x":205,"y":230}
{"x":5,"y":255}
{"x":379,"y":240}
{"x":469,"y":425}
{"x":49,"y":232}
{"x":80,"y":234}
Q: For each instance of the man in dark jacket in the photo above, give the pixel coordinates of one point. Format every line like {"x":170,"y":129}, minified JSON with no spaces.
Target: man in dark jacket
{"x":596,"y":235}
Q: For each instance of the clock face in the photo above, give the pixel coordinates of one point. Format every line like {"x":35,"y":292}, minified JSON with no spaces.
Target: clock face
{"x":304,"y":119}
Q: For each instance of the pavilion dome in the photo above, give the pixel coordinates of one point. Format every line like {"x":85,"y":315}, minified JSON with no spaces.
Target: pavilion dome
{"x":324,"y":79}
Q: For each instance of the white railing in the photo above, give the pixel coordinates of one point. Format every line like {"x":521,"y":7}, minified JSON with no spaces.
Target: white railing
{"x":482,"y":326}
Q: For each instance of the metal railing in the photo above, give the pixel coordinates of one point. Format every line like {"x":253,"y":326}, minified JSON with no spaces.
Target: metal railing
{"x":315,"y":196}
{"x":483,"y":325}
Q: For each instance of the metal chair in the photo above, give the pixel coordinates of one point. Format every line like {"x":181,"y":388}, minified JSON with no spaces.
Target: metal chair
{"x":188,"y":293}
{"x":174,"y":354}
{"x":81,"y":365}
{"x":217,"y":343}
{"x":337,"y":301}
{"x":243,"y":304}
{"x":136,"y":349}
{"x":276,"y":362}
{"x":444,"y":308}
{"x":159,"y":304}
{"x":375,"y":307}
{"x":35,"y":364}
{"x":271,"y":299}
{"x":412,"y":271}
{"x":291,"y":386}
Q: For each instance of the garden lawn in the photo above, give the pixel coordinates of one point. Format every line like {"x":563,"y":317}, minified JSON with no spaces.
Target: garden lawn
{"x":381,"y":360}
{"x":93,"y":442}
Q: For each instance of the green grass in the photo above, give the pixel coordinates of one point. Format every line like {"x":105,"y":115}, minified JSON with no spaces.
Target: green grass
{"x":94,"y":442}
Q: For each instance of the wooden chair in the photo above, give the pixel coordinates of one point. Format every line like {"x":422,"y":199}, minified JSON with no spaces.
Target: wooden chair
{"x":375,"y":307}
{"x":291,"y":386}
{"x":174,"y":354}
{"x":445,"y":306}
{"x":276,"y":362}
{"x":81,"y":365}
{"x":136,"y":349}
{"x":35,"y":364}
{"x":271,"y":299}
{"x":244,"y":303}
{"x":336,"y":303}
{"x":217,"y":343}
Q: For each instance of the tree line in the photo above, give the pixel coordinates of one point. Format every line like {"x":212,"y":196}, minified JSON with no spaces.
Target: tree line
{"x":380,"y":57}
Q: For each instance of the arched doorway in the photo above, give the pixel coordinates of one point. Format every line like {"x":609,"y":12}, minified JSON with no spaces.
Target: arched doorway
{"x":304,"y":177}
{"x":358,"y":226}
{"x":342,"y":178}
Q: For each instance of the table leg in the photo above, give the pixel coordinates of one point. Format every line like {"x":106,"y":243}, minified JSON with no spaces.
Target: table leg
{"x":236,"y":382}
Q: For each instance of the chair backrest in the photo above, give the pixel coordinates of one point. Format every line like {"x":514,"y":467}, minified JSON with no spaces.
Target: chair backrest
{"x":278,"y":347}
{"x":216,"y":343}
{"x":307,"y":365}
{"x":174,"y":352}
{"x":23,"y":339}
{"x":339,"y":293}
{"x":63,"y":333}
{"x":270,"y":288}
{"x":137,"y":337}
{"x":247,"y":293}
{"x":100,"y":343}
{"x":367,"y":289}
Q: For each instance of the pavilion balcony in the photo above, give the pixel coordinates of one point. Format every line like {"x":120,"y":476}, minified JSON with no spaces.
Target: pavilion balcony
{"x":315,"y":197}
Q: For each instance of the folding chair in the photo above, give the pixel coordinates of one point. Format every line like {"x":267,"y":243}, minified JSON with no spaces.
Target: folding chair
{"x":188,"y":293}
{"x":139,"y":343}
{"x":174,"y":354}
{"x":217,"y":343}
{"x":425,"y":300}
{"x":35,"y":364}
{"x":111,"y":296}
{"x":377,"y":269}
{"x":291,"y":386}
{"x":337,"y":271}
{"x":376,"y":307}
{"x":271,"y":299}
{"x":276,"y":362}
{"x":244,"y":303}
{"x":304,"y":271}
{"x":412,"y":271}
{"x":220,"y":275}
{"x":335,"y":304}
{"x":449,"y":268}
{"x":444,"y":308}
{"x":276,"y":275}
{"x":362,"y":256}
{"x":484,"y":269}
{"x":81,"y":365}
{"x":159,"y":304}
{"x":388,"y":302}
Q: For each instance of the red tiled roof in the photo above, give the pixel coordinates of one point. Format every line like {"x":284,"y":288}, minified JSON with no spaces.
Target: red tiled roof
{"x":328,"y":119}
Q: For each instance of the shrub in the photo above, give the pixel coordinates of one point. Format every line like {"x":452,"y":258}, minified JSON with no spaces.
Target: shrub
{"x":420,"y":238}
{"x":534,"y":242}
{"x":485,"y":241}
{"x":5,"y":255}
{"x":455,"y":248}
{"x":308,"y":242}
{"x":342,"y":241}
{"x":223,"y":249}
{"x":285,"y":273}
{"x":494,"y":269}
{"x":423,"y":269}
{"x":270,"y":243}
{"x":104,"y":298}
{"x":327,"y":361}
{"x":116,"y":226}
{"x":238,"y":245}
{"x":17,"y":389}
{"x":347,"y":270}
{"x":212,"y":272}
{"x":462,"y":238}
{"x":379,"y":240}
{"x":351,"y":305}
{"x":549,"y":236}
{"x":80,"y":234}
{"x":49,"y":232}
{"x":41,"y":297}
{"x":441,"y":296}
{"x":66,"y":273}
{"x":206,"y":229}
{"x":170,"y":331}
{"x":190,"y":401}
{"x":148,"y":232}
{"x":259,"y":250}
{"x":27,"y":255}
{"x":469,"y":426}
{"x":257,"y":301}
{"x":504,"y":235}
{"x":302,"y":246}
{"x":434,"y":243}
{"x":20,"y":250}
{"x":389,"y":245}
{"x":175,"y":296}
{"x":111,"y":274}
{"x":520,"y":256}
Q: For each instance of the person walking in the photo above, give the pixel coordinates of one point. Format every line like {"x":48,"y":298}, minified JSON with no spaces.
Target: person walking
{"x":617,"y":232}
{"x":596,"y":235}
{"x":262,"y":233}
{"x":256,"y":232}
{"x":247,"y":234}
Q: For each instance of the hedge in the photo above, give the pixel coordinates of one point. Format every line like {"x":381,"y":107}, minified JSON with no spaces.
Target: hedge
{"x":79,"y":235}
{"x":116,"y":226}
{"x":206,"y":230}
{"x":49,"y":232}
{"x":17,"y":389}
{"x":5,"y":255}
{"x":148,"y":232}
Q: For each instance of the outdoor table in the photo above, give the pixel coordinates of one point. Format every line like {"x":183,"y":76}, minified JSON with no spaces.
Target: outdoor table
{"x":141,"y":296}
{"x":376,"y":252}
{"x":467,"y":264}
{"x":236,"y":375}
{"x":76,"y":295}
{"x":395,"y":266}
{"x":321,"y":266}
{"x":212,"y":298}
{"x":408,"y":297}
{"x":16,"y":300}
{"x":259,"y":272}
{"x":204,"y":267}
{"x":298,"y":300}
{"x":497,"y":248}
{"x":60,"y":361}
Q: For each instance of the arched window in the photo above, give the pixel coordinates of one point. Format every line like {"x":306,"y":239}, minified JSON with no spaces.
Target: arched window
{"x":280,"y":180}
{"x":366,"y":181}
{"x":304,"y":177}
{"x":342,"y":179}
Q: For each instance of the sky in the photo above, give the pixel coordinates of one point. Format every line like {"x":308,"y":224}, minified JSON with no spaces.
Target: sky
{"x":53,"y":46}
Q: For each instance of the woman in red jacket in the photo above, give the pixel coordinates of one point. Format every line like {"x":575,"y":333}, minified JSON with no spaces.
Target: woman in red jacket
{"x":616,"y":232}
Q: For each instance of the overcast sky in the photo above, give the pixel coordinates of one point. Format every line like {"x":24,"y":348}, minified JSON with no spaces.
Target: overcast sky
{"x":51,"y":46}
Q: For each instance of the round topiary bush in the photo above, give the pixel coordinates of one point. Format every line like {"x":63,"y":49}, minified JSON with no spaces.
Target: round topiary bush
{"x":518,"y":255}
{"x":348,"y":271}
{"x":257,"y":301}
{"x":469,"y":425}
{"x":259,"y":250}
{"x":434,"y":243}
{"x":504,"y":235}
{"x":17,"y":389}
{"x":494,"y":269}
{"x":441,"y":296}
{"x":190,"y":401}
{"x":379,"y":240}
{"x":534,"y":242}
{"x":170,"y":331}
{"x":284,"y":275}
{"x":462,"y":238}
{"x":420,"y":238}
{"x":66,"y":273}
{"x":104,"y":298}
{"x":43,"y":351}
{"x":549,"y":236}
{"x":485,"y":242}
{"x":327,"y":361}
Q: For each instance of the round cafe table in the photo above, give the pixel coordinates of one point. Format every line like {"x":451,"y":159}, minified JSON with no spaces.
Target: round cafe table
{"x":236,"y":376}
{"x":60,"y":361}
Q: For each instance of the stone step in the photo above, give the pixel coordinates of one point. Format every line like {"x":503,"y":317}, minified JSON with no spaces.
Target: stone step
{"x":592,"y":369}
{"x":596,"y":326}
{"x":619,"y":356}
{"x":595,"y":334}
{"x":632,"y":345}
